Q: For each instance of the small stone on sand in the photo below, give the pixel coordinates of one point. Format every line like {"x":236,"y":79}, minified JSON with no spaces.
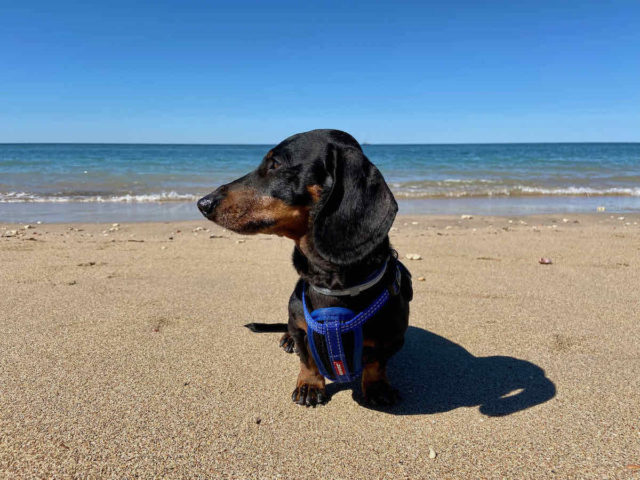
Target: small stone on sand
{"x":10,"y":233}
{"x":466,"y":217}
{"x":242,"y":240}
{"x":421,"y":279}
{"x":432,"y":453}
{"x":413,"y":256}
{"x":545,"y":261}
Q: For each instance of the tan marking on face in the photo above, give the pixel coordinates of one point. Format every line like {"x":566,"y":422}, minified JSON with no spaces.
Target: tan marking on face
{"x":245,"y":211}
{"x":315,"y":191}
{"x":269,"y":154}
{"x":304,"y":241}
{"x":291,"y":222}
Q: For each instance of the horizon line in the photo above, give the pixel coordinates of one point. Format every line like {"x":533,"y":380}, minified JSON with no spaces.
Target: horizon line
{"x":361,"y":143}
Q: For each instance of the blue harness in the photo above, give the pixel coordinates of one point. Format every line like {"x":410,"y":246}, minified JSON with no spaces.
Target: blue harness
{"x":335,"y":331}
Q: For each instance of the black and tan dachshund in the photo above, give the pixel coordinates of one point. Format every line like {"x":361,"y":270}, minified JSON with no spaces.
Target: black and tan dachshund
{"x":319,"y":189}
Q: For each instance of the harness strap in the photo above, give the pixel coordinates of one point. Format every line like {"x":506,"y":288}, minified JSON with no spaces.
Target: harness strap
{"x":345,"y":326}
{"x":333,"y":323}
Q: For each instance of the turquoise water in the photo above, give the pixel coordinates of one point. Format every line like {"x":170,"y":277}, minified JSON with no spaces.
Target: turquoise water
{"x":145,"y":182}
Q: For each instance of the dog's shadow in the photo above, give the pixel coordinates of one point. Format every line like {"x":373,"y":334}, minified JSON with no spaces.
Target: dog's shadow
{"x":436,"y":375}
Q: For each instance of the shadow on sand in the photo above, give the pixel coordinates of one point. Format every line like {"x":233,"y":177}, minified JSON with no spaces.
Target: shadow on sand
{"x":436,"y":375}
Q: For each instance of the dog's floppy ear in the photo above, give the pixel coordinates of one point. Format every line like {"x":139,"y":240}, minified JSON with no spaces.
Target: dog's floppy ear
{"x":359,"y":210}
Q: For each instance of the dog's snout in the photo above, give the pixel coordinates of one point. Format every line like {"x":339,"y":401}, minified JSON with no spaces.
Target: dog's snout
{"x":207,"y":204}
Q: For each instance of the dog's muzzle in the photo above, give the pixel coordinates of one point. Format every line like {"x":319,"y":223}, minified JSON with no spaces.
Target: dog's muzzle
{"x":208,"y":204}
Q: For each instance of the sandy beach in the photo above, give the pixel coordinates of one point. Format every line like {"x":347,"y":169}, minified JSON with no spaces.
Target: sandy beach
{"x":123,"y":355}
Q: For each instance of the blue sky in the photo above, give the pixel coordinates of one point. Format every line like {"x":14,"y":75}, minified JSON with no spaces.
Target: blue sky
{"x":256,"y":72}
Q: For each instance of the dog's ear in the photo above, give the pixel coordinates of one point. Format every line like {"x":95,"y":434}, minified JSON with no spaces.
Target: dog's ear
{"x":359,"y":210}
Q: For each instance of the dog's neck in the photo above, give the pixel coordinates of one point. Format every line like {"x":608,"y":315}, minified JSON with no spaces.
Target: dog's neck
{"x":317,"y":271}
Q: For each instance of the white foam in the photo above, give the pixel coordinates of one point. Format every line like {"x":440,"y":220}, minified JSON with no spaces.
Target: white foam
{"x":516,"y":191}
{"x":25,"y":197}
{"x":406,"y":191}
{"x":627,"y":192}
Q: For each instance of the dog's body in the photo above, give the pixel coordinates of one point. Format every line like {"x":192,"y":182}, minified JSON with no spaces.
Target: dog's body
{"x":319,"y":189}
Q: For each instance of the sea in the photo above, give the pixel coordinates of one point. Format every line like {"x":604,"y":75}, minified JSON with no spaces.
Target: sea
{"x":131,"y":182}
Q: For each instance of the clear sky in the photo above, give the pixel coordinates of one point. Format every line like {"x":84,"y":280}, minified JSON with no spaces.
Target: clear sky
{"x":256,"y":72}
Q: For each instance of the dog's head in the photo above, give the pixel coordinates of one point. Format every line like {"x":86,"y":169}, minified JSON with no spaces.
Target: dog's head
{"x":318,"y":185}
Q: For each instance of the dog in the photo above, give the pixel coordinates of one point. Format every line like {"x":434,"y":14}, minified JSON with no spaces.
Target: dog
{"x":320,"y":190}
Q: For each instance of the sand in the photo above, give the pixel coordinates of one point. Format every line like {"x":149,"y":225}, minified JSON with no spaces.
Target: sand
{"x":123,"y":355}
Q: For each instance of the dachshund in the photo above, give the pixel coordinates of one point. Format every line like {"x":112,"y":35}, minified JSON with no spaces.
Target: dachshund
{"x":320,"y":190}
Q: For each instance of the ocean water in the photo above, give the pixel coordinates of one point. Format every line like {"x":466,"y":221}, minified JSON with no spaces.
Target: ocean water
{"x":94,"y":182}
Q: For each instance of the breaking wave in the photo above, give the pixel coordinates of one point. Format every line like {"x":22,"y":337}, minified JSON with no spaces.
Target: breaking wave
{"x":475,"y":189}
{"x":453,"y":189}
{"x":25,"y":197}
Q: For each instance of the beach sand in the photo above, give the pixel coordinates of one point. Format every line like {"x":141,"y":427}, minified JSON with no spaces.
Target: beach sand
{"x":123,"y":355}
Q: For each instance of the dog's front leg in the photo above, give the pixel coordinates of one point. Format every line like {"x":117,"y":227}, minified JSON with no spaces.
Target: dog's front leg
{"x":310,"y":388}
{"x":375,"y":386}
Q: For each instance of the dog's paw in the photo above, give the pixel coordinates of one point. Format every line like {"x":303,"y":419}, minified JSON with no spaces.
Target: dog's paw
{"x":380,"y":394}
{"x":287,"y":343}
{"x":309,"y":395}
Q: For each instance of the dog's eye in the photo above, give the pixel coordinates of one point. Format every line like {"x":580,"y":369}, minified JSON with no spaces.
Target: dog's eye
{"x":273,"y":164}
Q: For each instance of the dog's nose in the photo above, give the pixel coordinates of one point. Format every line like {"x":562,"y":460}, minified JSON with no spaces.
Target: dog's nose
{"x":205,"y":205}
{"x":208,"y":204}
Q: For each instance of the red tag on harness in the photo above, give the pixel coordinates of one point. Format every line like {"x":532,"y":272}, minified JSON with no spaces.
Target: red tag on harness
{"x":338,"y":367}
